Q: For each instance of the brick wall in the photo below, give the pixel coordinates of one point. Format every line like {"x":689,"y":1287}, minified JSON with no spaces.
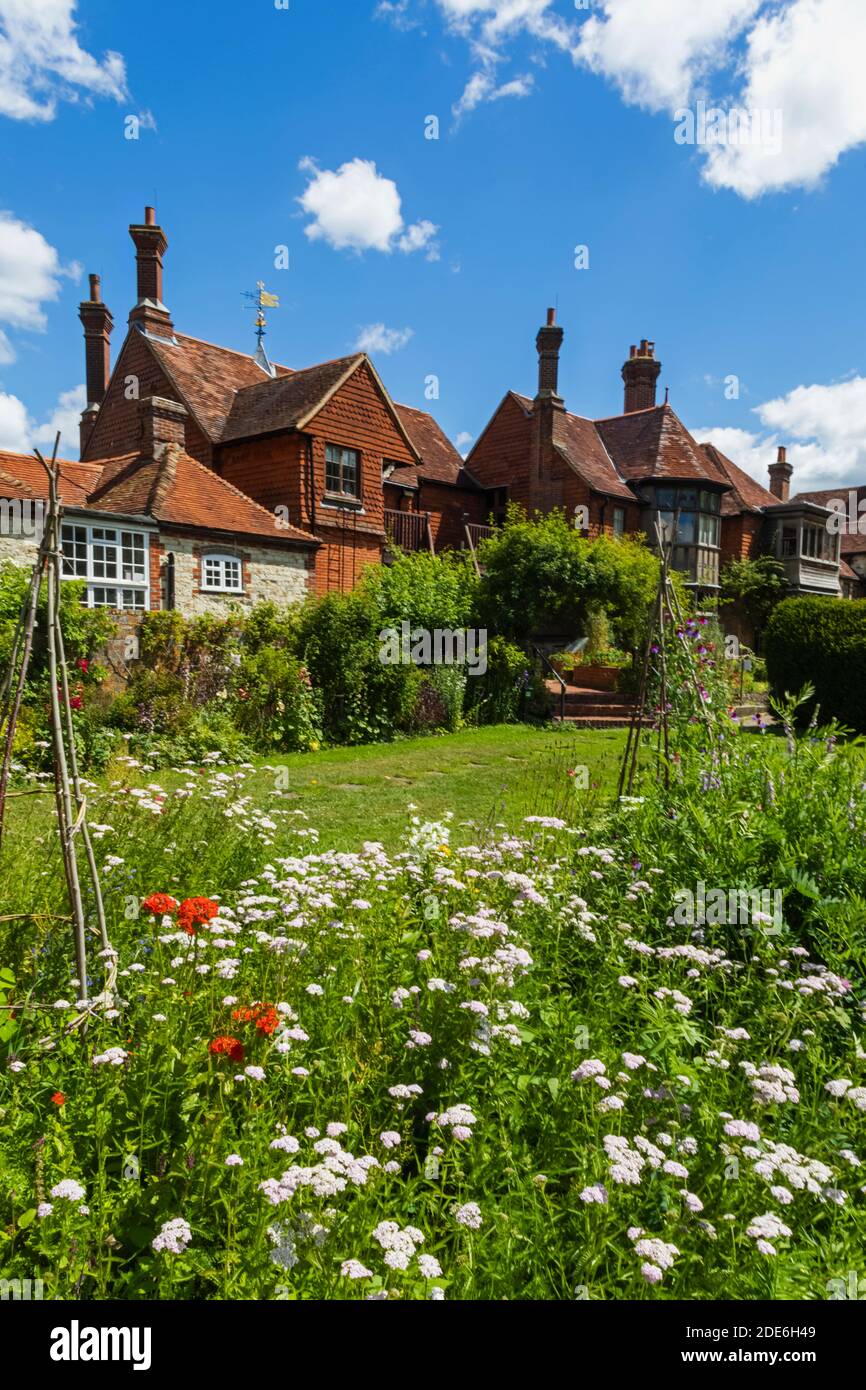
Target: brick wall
{"x":118,"y":427}
{"x":501,"y":456}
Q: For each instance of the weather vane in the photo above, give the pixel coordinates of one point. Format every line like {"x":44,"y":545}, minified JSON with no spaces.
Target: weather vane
{"x":262,"y":300}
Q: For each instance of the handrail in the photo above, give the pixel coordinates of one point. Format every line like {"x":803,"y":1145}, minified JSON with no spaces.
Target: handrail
{"x":563,"y":684}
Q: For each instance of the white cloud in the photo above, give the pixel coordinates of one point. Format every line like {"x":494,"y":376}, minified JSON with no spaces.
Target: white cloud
{"x":800,"y":58}
{"x":30,"y":274}
{"x":356,"y":208}
{"x":14,"y":425}
{"x":397,"y":11}
{"x":824,"y":428}
{"x":375,"y":337}
{"x":482,"y":87}
{"x":19,"y":432}
{"x":805,"y":61}
{"x":656,"y":52}
{"x":42,"y":62}
{"x":463,"y":442}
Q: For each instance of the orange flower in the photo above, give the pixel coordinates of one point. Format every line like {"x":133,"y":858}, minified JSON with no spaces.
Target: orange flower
{"x":264,"y":1016}
{"x":159,"y":904}
{"x":59,"y":1098}
{"x":227,"y":1047}
{"x":194,"y":912}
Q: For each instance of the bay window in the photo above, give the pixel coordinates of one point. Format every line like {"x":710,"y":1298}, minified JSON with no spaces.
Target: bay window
{"x":111,"y":560}
{"x":690,"y":519}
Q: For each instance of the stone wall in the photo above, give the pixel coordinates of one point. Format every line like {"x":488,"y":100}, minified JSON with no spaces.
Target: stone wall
{"x":281,"y":576}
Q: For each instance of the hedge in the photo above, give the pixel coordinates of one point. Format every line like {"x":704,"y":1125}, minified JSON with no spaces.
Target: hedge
{"x":820,"y":642}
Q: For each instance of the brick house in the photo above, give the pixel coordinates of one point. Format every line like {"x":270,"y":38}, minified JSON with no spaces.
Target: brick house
{"x":208,"y":476}
{"x":627,"y":473}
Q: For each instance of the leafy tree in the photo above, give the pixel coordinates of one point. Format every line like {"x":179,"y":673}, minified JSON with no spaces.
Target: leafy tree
{"x":543,"y":576}
{"x":756,"y":586}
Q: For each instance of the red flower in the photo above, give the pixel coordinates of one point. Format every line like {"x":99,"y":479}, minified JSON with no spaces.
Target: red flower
{"x":83,"y":665}
{"x":227,"y":1047}
{"x":194,"y":912}
{"x":264,"y":1016}
{"x":58,"y":1098}
{"x":159,"y":904}
{"x":75,"y":702}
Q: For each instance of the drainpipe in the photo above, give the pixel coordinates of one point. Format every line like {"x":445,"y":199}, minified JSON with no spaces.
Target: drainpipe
{"x":311,"y":481}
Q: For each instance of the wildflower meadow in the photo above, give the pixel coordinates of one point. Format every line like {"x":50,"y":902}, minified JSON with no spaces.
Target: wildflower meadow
{"x":490,"y":1061}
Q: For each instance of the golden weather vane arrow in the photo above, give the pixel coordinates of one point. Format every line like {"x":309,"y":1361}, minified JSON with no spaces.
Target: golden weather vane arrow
{"x":262,"y":299}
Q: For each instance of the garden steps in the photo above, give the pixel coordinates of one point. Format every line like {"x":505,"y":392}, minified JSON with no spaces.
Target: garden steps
{"x":591,"y":709}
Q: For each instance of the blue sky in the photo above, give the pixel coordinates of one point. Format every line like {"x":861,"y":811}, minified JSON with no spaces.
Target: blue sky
{"x":305,"y":127}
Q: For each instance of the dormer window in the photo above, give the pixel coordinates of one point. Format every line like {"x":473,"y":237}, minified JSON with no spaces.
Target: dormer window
{"x":222,"y":574}
{"x":342,"y":472}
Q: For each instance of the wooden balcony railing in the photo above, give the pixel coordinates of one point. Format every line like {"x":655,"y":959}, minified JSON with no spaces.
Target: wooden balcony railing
{"x":479,"y":533}
{"x":409,"y":530}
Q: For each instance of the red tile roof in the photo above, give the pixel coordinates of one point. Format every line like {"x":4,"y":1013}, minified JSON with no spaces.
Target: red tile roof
{"x":285,"y":402}
{"x":655,"y":444}
{"x":440,"y":461}
{"x":208,"y":377}
{"x":581,"y":445}
{"x":746,"y":495}
{"x":176,"y":490}
{"x":23,"y":477}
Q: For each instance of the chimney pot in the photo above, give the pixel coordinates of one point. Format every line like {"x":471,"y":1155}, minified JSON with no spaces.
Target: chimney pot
{"x":640,"y":374}
{"x":781,"y":473}
{"x":97,"y":323}
{"x":151,"y":244}
{"x":548,"y":343}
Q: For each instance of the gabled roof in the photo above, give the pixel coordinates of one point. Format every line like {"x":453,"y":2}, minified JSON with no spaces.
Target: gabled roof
{"x":655,"y":444}
{"x":174,"y":489}
{"x":746,"y":495}
{"x":285,"y":402}
{"x":208,"y":377}
{"x":440,"y":461}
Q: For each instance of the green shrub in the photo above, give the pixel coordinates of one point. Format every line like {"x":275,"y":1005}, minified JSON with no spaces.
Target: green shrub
{"x":820,"y":642}
{"x":274,"y":702}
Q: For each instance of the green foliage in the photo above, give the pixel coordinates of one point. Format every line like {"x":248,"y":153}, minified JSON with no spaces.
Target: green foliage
{"x":541,"y":576}
{"x":820,"y":643}
{"x":755,"y":586}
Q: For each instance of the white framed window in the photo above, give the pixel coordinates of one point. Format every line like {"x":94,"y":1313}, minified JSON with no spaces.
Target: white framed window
{"x":112,"y":561}
{"x":222,"y":574}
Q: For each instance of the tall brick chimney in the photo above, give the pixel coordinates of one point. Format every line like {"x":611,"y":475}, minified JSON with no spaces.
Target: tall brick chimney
{"x":150,"y":314}
{"x":548,"y":343}
{"x":780,"y":475}
{"x":162,"y":422}
{"x":548,"y":411}
{"x":640,"y":374}
{"x":98,"y":323}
